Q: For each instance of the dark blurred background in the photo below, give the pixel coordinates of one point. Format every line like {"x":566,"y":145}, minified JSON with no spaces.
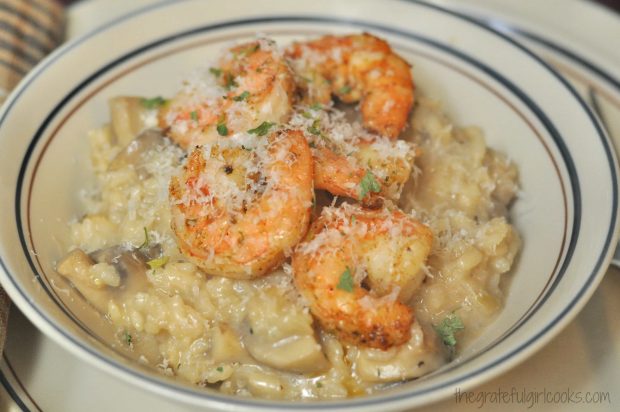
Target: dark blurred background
{"x":613,"y":4}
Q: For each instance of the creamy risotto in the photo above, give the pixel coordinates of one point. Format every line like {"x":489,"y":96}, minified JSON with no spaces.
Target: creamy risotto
{"x":253,"y":236}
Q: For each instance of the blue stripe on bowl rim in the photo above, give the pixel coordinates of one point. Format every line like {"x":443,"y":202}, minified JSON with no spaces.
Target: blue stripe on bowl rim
{"x":369,"y":401}
{"x":509,"y":28}
{"x":12,"y":392}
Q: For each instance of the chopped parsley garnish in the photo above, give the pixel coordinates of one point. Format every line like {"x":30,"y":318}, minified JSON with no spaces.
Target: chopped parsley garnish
{"x":448,"y":328}
{"x":353,"y":219}
{"x":316,"y":106}
{"x":230,"y":81}
{"x":252,"y":49}
{"x":242,"y":96}
{"x":262,"y":129}
{"x":215,"y":71}
{"x":319,"y":385}
{"x":306,"y":115}
{"x":248,"y":50}
{"x":153,"y":102}
{"x":194,"y":115}
{"x":345,"y":90}
{"x":346,"y":281}
{"x":146,"y":239}
{"x":369,"y":184}
{"x":219,"y":369}
{"x":222,"y":130}
{"x":158,"y":262}
{"x":127,"y":338}
{"x":315,"y":129}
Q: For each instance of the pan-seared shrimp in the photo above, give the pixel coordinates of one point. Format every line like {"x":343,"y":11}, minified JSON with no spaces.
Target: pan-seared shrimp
{"x":253,"y":84}
{"x":356,"y":267}
{"x":352,"y":162}
{"x":243,"y":203}
{"x":358,"y":67}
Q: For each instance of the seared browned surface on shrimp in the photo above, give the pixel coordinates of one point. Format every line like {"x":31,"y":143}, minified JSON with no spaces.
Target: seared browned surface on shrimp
{"x":237,"y":209}
{"x":349,"y":250}
{"x":332,"y":172}
{"x":252,"y":84}
{"x":352,"y":176}
{"x":359,"y":67}
{"x":349,"y":160}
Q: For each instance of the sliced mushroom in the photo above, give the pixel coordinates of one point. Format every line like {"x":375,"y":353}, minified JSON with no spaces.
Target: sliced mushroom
{"x":280,"y":334}
{"x":225,"y":346}
{"x":133,"y":153}
{"x":130,"y":116}
{"x":415,"y":358}
{"x":128,"y":264}
{"x":75,"y":266}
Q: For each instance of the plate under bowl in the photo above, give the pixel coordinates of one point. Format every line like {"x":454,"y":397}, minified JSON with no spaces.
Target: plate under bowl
{"x":566,"y":211}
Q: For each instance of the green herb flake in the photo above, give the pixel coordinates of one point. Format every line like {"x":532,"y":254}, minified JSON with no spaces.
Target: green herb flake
{"x":153,"y":102}
{"x":146,"y":240}
{"x":127,"y":338}
{"x":316,"y":106}
{"x":369,"y":184}
{"x":252,"y":49}
{"x":243,"y":96}
{"x":346,"y":281}
{"x":262,"y":129}
{"x":319,"y":385}
{"x":353,"y":219}
{"x":219,"y":369}
{"x":194,"y":115}
{"x":315,"y":129}
{"x":215,"y":71}
{"x":306,"y":115}
{"x":448,"y":328}
{"x":222,"y":130}
{"x":230,"y":81}
{"x":158,"y":262}
{"x":247,"y":50}
{"x":345,"y":90}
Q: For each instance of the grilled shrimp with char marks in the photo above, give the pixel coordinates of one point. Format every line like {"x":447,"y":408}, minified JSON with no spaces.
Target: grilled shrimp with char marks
{"x":352,"y":162}
{"x":357,"y":266}
{"x":242,"y":204}
{"x":358,"y":67}
{"x":253,"y":84}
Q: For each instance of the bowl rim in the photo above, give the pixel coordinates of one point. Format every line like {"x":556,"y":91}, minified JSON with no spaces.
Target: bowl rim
{"x":484,"y":372}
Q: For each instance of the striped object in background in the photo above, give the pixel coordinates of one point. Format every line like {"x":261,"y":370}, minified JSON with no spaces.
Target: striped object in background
{"x":29,"y":30}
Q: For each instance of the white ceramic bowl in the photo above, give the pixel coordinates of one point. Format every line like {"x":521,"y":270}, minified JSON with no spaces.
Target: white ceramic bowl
{"x":566,"y":213}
